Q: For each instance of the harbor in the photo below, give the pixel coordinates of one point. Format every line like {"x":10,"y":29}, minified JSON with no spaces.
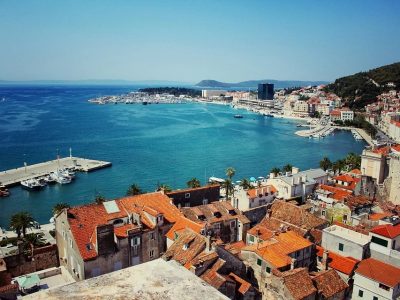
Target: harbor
{"x":31,"y":173}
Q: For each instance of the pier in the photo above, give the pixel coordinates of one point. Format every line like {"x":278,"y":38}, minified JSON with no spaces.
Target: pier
{"x":15,"y":176}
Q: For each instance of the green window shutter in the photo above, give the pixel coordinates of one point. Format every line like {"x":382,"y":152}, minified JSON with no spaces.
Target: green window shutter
{"x":341,"y":247}
{"x":268,"y":269}
{"x":259,"y":261}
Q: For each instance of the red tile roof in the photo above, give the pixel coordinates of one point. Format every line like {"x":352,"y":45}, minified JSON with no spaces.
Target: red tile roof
{"x":212,"y":277}
{"x":337,"y":262}
{"x":387,"y":230}
{"x":84,"y":219}
{"x":298,"y":283}
{"x":337,"y":192}
{"x":329,"y":283}
{"x":379,"y":271}
{"x":379,"y":216}
{"x":253,"y":193}
{"x":122,"y":231}
{"x":244,"y":286}
{"x":183,"y":223}
{"x":277,"y":249}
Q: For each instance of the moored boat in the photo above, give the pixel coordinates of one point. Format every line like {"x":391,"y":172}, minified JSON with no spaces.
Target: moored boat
{"x":238,"y":116}
{"x":32,"y":184}
{"x":4,"y":192}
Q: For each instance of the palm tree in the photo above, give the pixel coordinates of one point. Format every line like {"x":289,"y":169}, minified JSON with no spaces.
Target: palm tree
{"x":33,"y":240}
{"x":335,"y":167}
{"x":59,"y":207}
{"x":287,"y":168}
{"x":275,"y":171}
{"x":325,"y":163}
{"x":193,"y":183}
{"x":99,"y":199}
{"x":230,"y":172}
{"x":228,"y":188}
{"x":245,"y":184}
{"x":353,"y":160}
{"x":21,"y":221}
{"x":133,"y":190}
{"x":163,"y":187}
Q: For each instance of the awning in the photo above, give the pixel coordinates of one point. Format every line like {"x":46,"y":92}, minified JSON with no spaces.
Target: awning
{"x":252,"y":179}
{"x":28,"y":281}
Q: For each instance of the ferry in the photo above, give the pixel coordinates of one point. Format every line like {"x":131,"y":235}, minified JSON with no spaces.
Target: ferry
{"x":238,"y":116}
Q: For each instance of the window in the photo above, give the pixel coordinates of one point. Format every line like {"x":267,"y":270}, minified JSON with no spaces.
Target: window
{"x":151,"y":253}
{"x":268,"y":270}
{"x":375,"y":298}
{"x":70,"y":242}
{"x":152,"y":235}
{"x":385,"y":287}
{"x":323,"y":213}
{"x":187,"y":195}
{"x":135,"y":250}
{"x":205,"y":201}
{"x":251,"y":238}
{"x":135,"y":241}
{"x":259,"y":262}
{"x":379,"y":241}
{"x":187,"y":204}
{"x":233,"y":224}
{"x":345,"y":218}
{"x":217,"y":226}
{"x":360,"y":293}
{"x":341,"y":247}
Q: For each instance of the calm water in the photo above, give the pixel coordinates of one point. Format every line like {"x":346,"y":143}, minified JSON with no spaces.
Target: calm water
{"x":146,"y":144}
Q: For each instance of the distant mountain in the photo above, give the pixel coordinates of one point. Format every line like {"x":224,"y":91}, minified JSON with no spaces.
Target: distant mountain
{"x":361,"y":89}
{"x":279,"y":84}
{"x":95,"y":82}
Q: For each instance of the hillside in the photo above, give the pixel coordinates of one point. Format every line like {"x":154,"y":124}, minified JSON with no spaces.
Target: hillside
{"x":361,"y":89}
{"x":279,"y":84}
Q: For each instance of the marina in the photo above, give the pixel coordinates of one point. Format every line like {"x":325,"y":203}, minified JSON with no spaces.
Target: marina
{"x":140,"y":98}
{"x":37,"y":176}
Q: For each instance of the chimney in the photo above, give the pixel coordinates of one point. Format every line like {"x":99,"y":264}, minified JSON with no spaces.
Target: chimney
{"x":271,"y":175}
{"x":325,"y":256}
{"x":208,"y":243}
{"x":293,"y":262}
{"x":295,"y":170}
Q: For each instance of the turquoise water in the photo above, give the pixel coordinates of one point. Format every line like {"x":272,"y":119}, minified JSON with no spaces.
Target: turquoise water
{"x":166,"y":143}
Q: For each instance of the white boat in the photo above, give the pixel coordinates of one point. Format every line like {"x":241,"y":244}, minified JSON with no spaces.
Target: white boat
{"x":32,"y":184}
{"x":60,"y":178}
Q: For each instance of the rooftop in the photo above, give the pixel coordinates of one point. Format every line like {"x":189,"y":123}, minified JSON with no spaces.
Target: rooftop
{"x":348,"y":234}
{"x":307,"y":176}
{"x":379,"y":271}
{"x":295,"y":215}
{"x":329,"y":283}
{"x":298,"y":283}
{"x":345,"y":265}
{"x":157,"y":279}
{"x":387,"y":230}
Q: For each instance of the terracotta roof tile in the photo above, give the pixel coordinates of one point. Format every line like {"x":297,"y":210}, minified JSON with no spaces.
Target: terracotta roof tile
{"x":276,"y":250}
{"x":379,"y":216}
{"x":337,"y":192}
{"x":253,"y":193}
{"x":379,"y":271}
{"x":244,"y":286}
{"x":345,"y":265}
{"x":295,"y":215}
{"x":212,"y":277}
{"x":183,"y":223}
{"x":387,"y":230}
{"x":329,"y":283}
{"x":298,"y":283}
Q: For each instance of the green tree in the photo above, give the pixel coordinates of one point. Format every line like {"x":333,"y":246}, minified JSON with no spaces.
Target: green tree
{"x":325,"y":163}
{"x":133,"y":190}
{"x":193,"y":183}
{"x":163,"y":187}
{"x":353,"y":161}
{"x":228,"y":188}
{"x":230,"y":172}
{"x":59,"y":207}
{"x":99,"y":199}
{"x":275,"y":171}
{"x":21,"y":221}
{"x":245,"y":184}
{"x":287,"y":168}
{"x":32,"y":240}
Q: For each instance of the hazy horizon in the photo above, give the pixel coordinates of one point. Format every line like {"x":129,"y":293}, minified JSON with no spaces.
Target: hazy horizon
{"x":188,"y":41}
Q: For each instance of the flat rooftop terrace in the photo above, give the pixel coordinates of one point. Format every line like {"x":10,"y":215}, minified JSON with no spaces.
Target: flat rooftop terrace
{"x":15,"y":176}
{"x":348,"y":234}
{"x":157,"y":279}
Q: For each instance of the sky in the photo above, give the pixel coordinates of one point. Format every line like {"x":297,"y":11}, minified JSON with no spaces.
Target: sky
{"x":187,"y":40}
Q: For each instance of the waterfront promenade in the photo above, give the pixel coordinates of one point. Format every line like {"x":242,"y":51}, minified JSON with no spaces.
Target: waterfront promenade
{"x":15,"y":176}
{"x":319,"y":130}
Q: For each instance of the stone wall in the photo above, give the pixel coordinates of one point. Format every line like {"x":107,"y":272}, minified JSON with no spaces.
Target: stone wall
{"x":43,"y":258}
{"x":255,"y":215}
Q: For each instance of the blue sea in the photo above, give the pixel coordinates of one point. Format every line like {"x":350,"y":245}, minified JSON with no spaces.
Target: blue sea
{"x":147,"y":145}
